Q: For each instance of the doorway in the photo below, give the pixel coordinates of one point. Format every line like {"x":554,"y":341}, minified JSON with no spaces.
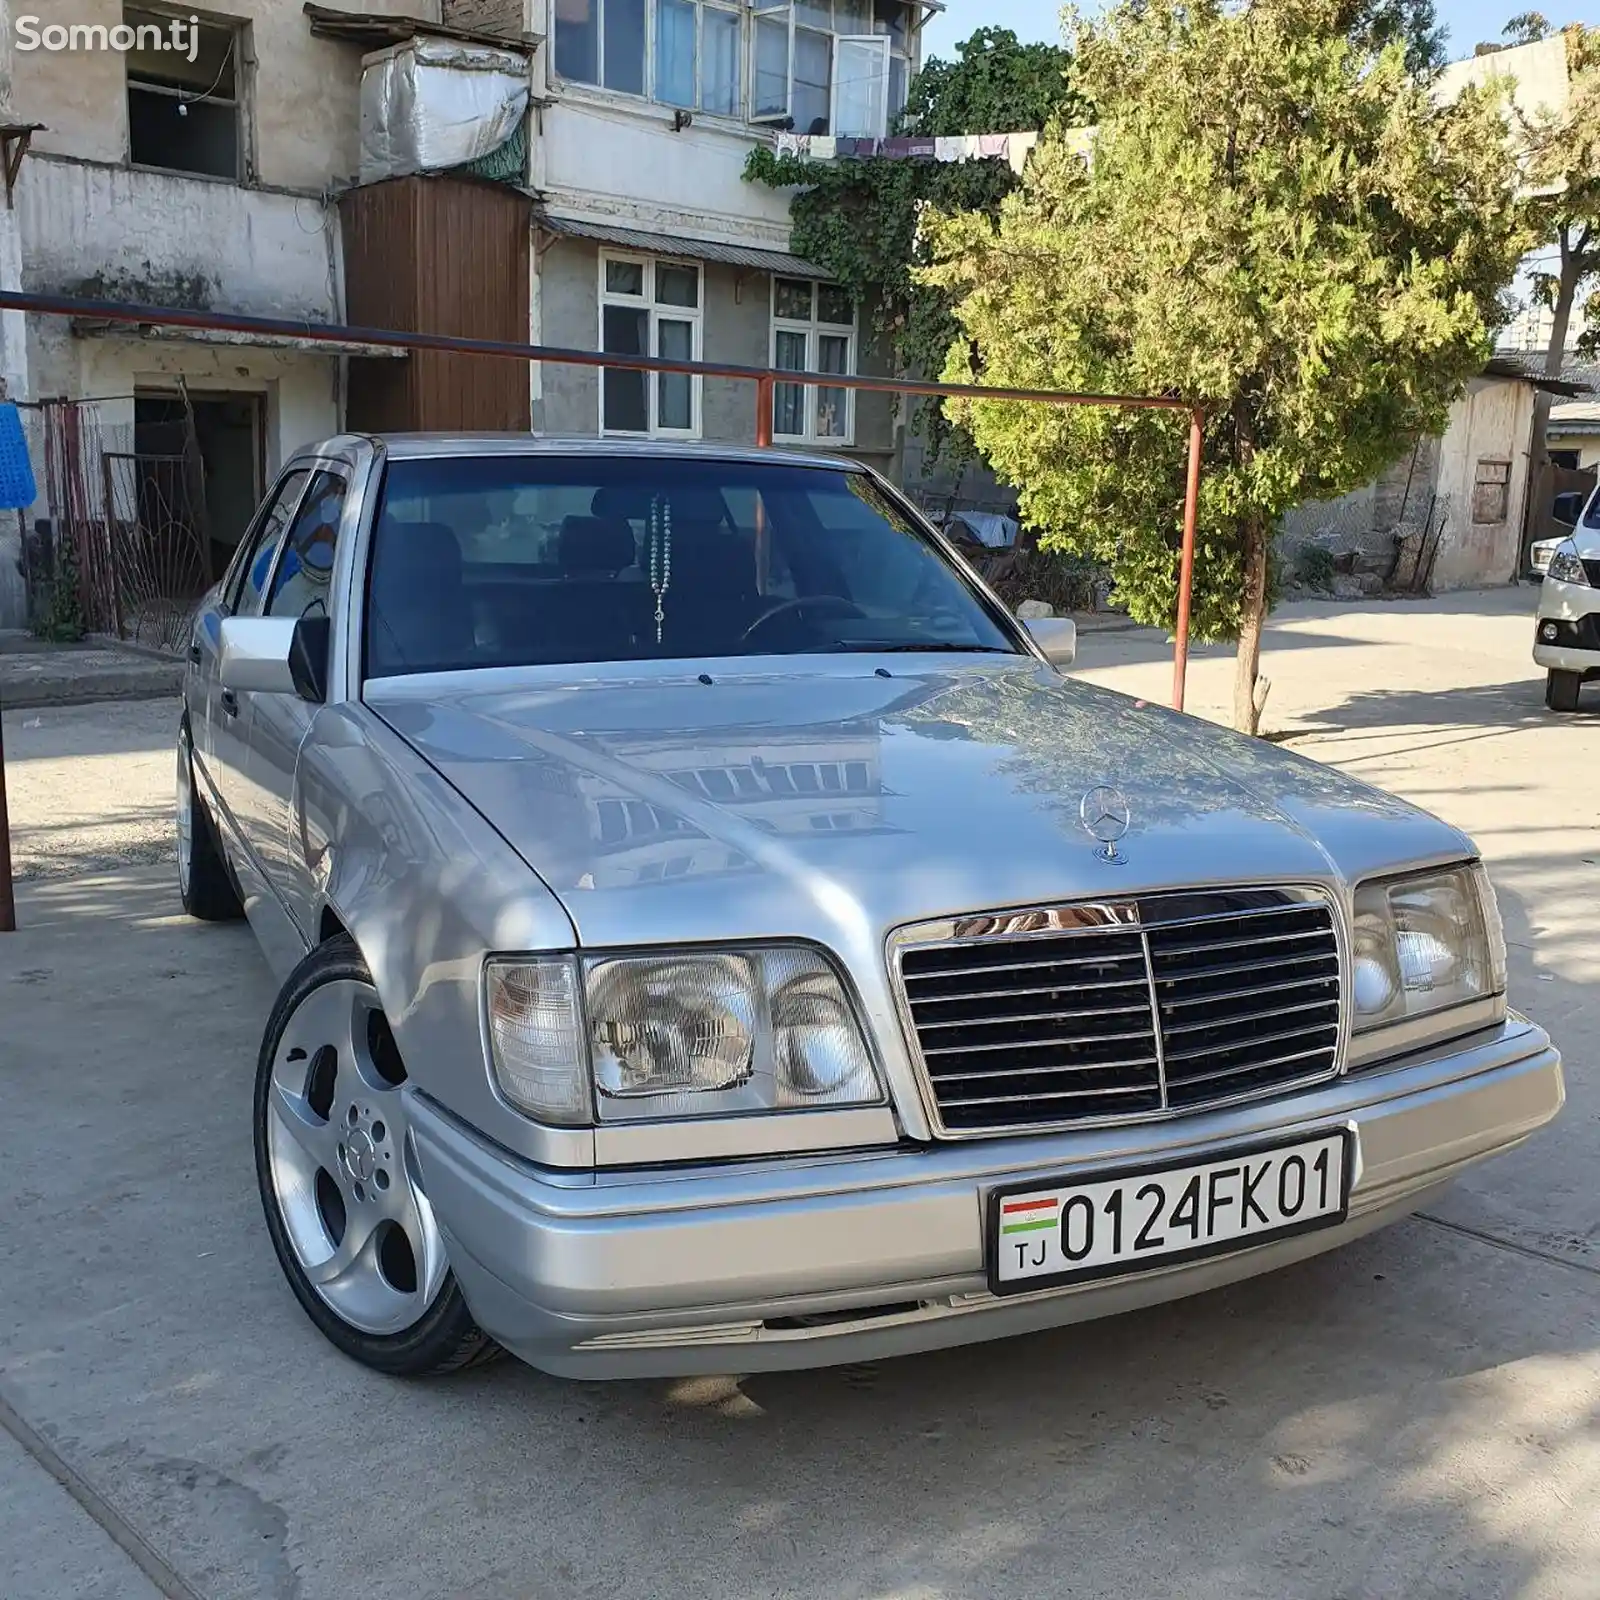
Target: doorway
{"x":226,"y":432}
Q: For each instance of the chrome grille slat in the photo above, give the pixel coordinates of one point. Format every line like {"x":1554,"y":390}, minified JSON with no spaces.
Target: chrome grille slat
{"x":1230,"y":968}
{"x":1059,"y":1094}
{"x":1249,"y":1042}
{"x":1249,"y":1016}
{"x":1292,"y":910}
{"x":1032,"y":1044}
{"x":1031,"y":1016}
{"x":1205,"y":948}
{"x":1036,"y":1072}
{"x":1253,"y":1066}
{"x":1140,"y":982}
{"x":1224,"y":995}
{"x":1019,"y":966}
{"x":1242,"y":996}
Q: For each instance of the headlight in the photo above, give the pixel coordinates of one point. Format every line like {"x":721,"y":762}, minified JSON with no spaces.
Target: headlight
{"x":674,"y":1035}
{"x":1423,"y":943}
{"x":1566,"y":566}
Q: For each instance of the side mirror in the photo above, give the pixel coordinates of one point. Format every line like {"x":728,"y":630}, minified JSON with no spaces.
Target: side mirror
{"x":1056,"y":637}
{"x":1567,"y":507}
{"x":275,"y":655}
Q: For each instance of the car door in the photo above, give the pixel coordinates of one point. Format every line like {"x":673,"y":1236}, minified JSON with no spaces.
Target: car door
{"x":301,"y":587}
{"x":214,"y":712}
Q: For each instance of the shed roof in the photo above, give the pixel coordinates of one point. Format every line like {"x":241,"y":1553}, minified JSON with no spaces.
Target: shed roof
{"x":1530,"y":370}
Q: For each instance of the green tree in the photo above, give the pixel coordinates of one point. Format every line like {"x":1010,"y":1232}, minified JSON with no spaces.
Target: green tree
{"x":1413,"y":24}
{"x":1275,"y":223}
{"x":1527,"y":27}
{"x":858,"y":219}
{"x":1560,"y":155}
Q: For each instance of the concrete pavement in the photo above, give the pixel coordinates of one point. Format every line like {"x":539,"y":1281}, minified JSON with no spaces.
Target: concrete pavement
{"x":1415,"y":1415}
{"x":36,"y":673}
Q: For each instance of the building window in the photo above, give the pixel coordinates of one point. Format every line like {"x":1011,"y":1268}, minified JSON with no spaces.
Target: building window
{"x":830,"y":66}
{"x":813,"y":330}
{"x":184,"y":104}
{"x":698,"y":63}
{"x":650,"y":307}
{"x":817,"y":66}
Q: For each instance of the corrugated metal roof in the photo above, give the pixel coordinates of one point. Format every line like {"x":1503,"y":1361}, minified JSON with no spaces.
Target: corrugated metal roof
{"x":1574,"y":417}
{"x":1530,"y":370}
{"x":667,"y":244}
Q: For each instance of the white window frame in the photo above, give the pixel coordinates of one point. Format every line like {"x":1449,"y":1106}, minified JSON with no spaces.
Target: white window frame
{"x":701,"y":7}
{"x":738,"y":9}
{"x":814,"y":330}
{"x":899,"y":48}
{"x":880,"y":42}
{"x":773,"y":10}
{"x":656,"y":313}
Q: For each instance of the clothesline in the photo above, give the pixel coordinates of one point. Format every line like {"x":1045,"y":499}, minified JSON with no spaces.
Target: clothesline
{"x":1011,"y":148}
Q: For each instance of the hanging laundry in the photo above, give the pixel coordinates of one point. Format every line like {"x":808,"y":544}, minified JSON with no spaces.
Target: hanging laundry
{"x":1017,"y":147}
{"x":1011,"y":148}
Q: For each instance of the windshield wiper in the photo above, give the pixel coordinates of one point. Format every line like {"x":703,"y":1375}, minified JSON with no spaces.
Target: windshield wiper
{"x":891,"y":647}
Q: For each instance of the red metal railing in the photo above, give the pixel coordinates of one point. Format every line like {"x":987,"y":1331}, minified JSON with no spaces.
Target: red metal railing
{"x":764,"y":378}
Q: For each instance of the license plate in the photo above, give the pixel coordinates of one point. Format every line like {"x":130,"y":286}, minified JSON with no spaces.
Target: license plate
{"x":1077,"y":1229}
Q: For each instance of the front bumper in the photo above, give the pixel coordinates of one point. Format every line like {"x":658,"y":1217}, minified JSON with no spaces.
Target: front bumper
{"x":1574,"y":609}
{"x":761,"y":1265}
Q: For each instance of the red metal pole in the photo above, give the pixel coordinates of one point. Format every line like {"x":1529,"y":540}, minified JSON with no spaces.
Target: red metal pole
{"x":1191,"y":509}
{"x":765,"y":391}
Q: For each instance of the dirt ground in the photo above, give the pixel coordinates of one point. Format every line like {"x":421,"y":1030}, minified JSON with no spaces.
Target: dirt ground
{"x":1417,"y":1415}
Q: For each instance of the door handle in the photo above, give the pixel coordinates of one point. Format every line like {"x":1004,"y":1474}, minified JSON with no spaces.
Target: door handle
{"x":230,"y":703}
{"x":194,"y":653}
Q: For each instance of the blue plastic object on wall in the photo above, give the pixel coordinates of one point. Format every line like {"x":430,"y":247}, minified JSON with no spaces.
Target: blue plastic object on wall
{"x":17,"y":488}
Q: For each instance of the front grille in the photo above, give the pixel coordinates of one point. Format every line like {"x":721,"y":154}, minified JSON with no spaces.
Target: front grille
{"x":1591,"y":567}
{"x":1131,"y":1009}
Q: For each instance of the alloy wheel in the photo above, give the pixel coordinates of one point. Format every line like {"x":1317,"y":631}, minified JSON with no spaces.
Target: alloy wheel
{"x":343,"y":1173}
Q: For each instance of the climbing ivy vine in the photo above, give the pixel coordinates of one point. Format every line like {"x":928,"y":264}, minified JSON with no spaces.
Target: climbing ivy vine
{"x":857,"y":219}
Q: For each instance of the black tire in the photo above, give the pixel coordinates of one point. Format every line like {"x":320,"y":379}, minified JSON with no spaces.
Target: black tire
{"x":1561,"y":690}
{"x":204,"y":882}
{"x":445,"y":1338}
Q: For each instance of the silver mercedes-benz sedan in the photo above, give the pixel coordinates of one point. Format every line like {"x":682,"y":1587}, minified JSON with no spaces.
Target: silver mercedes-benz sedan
{"x":715,"y":936}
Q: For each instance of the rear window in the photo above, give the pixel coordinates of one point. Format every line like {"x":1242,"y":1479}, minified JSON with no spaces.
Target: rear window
{"x":520,"y":560}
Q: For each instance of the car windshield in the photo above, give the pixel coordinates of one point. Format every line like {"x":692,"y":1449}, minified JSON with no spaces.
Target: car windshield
{"x":513,"y":560}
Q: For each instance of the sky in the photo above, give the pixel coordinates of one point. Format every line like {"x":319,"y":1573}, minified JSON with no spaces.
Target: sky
{"x":1469,"y":21}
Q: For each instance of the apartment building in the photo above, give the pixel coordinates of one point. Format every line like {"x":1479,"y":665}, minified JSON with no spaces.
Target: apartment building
{"x":220,"y":163}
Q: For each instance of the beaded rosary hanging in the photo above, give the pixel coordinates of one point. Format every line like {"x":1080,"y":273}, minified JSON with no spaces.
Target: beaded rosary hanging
{"x":660,"y":556}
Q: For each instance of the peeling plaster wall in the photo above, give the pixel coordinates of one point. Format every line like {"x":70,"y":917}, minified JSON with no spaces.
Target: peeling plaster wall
{"x":301,"y":92}
{"x":115,"y":233}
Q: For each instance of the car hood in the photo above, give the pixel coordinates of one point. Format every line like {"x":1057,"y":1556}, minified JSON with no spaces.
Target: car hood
{"x":840,"y":799}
